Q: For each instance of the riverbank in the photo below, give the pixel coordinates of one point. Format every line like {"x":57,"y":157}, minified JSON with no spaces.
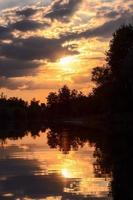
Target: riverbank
{"x":93,"y":121}
{"x":120,"y":120}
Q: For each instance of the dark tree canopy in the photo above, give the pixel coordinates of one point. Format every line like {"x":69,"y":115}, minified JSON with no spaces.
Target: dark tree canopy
{"x":101,"y":75}
{"x":120,"y":46}
{"x":115,"y":80}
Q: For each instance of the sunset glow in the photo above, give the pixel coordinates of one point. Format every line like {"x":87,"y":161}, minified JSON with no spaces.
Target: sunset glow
{"x":66,"y":60}
{"x":65,"y":173}
{"x":61,"y":41}
{"x":67,"y":64}
{"x":65,"y":87}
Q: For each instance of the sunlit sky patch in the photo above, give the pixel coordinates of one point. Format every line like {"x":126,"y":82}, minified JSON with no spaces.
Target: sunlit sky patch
{"x":45,"y":44}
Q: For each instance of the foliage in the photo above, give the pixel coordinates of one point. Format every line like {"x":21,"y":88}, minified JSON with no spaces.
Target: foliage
{"x":66,"y":103}
{"x":114,"y":81}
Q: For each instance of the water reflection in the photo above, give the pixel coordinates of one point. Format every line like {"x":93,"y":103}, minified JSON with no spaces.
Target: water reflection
{"x":64,"y":163}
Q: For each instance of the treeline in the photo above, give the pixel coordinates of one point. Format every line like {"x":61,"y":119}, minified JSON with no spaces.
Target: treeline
{"x":63,"y":104}
{"x":14,"y":108}
{"x":113,"y":92}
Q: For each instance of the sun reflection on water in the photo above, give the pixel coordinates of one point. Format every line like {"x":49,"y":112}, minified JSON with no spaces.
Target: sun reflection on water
{"x":76,"y":167}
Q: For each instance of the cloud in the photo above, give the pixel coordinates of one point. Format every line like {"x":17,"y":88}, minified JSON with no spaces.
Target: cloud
{"x":49,"y":84}
{"x":63,"y":9}
{"x":111,"y":14}
{"x":28,"y":84}
{"x":13,"y":3}
{"x":11,"y":83}
{"x":5,"y":33}
{"x":35,"y":48}
{"x":26,"y":12}
{"x":104,"y":30}
{"x":106,"y":11}
{"x":17,"y":68}
{"x":28,"y":25}
{"x":29,"y":36}
{"x":81,"y":79}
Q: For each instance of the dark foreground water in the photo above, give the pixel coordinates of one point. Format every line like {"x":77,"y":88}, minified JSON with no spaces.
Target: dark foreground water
{"x":62,"y":164}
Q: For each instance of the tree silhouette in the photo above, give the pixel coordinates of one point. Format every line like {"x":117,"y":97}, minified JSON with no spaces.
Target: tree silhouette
{"x":114,"y":81}
{"x":120,"y":46}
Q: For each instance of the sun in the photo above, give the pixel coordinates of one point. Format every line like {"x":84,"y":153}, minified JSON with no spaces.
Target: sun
{"x":65,"y":173}
{"x":66,"y":60}
{"x":67,"y":63}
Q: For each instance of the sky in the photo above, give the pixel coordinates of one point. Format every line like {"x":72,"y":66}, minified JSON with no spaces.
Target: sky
{"x":46,"y":44}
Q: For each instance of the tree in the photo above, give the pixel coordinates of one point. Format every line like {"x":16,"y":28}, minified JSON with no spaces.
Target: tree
{"x":64,"y":94}
{"x":52,"y":105}
{"x":114,"y":81}
{"x":52,"y":99}
{"x":120,"y":46}
{"x":34,"y":110}
{"x":101,"y":75}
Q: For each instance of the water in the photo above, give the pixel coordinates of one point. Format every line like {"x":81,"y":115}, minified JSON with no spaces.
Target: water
{"x":51,"y":164}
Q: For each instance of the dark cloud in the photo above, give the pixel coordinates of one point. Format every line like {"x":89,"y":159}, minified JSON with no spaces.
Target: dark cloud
{"x":11,"y":84}
{"x":19,"y":59}
{"x":5,"y":33}
{"x":13,"y":3}
{"x":27,"y":25}
{"x":104,"y":30}
{"x":26,"y":12}
{"x":35,"y":48}
{"x":111,"y":14}
{"x":17,"y":68}
{"x":107,"y":28}
{"x":131,"y":6}
{"x":61,"y":10}
{"x":22,"y":84}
